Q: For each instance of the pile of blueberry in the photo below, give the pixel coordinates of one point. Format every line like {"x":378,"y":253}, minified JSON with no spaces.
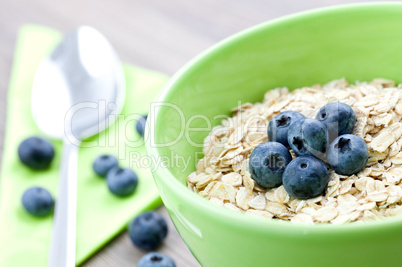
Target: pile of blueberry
{"x":37,"y":153}
{"x":327,"y":138}
{"x":120,"y":181}
{"x":147,"y":231}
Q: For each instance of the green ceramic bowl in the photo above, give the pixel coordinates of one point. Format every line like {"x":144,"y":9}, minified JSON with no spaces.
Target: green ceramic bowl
{"x":358,"y":42}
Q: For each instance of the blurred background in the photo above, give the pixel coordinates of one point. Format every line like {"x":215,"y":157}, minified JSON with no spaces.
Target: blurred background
{"x":157,"y":34}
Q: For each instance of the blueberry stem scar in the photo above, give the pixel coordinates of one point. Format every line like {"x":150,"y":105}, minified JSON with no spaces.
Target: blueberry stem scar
{"x":283,"y":121}
{"x":299,"y":143}
{"x":156,"y":258}
{"x":343,"y":145}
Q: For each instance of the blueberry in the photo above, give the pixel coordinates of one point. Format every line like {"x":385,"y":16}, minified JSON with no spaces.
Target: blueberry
{"x":121,"y":181}
{"x":38,"y":201}
{"x":148,"y":230}
{"x":155,"y":259}
{"x":305,"y":177}
{"x":278,"y":127}
{"x":140,"y":126}
{"x":267,"y":163}
{"x":103,"y":164}
{"x":36,"y":152}
{"x":338,"y":117}
{"x":347,"y":154}
{"x":308,"y":137}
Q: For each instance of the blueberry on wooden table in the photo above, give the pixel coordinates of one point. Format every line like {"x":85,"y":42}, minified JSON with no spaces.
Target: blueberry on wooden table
{"x":104,"y":163}
{"x":155,"y":259}
{"x":347,"y":154}
{"x":121,"y":181}
{"x":305,"y":177}
{"x":36,"y":152}
{"x":338,"y":117}
{"x":37,"y":201}
{"x":308,"y":137}
{"x":278,"y":127}
{"x":140,"y":126}
{"x":148,"y":230}
{"x":267,"y":163}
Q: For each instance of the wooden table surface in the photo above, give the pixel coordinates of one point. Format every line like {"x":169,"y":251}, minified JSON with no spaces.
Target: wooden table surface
{"x":157,"y":34}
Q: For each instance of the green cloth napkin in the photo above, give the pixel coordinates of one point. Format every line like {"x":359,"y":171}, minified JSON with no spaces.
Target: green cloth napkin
{"x":24,"y":240}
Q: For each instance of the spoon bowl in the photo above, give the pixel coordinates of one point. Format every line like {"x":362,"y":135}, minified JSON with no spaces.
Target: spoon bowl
{"x":83,"y":79}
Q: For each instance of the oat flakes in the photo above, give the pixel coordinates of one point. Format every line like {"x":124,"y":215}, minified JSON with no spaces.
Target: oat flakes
{"x":222,"y":176}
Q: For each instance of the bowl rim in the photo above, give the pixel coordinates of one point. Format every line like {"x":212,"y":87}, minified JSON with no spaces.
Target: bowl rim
{"x":257,"y":224}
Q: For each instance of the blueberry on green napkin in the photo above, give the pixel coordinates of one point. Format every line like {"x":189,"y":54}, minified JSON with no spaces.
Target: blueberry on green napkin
{"x":24,"y":240}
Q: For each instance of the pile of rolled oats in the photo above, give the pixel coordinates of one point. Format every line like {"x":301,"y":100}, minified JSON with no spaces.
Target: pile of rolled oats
{"x":222,"y":176}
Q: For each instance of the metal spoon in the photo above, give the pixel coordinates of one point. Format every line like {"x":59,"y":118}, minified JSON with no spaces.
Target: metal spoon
{"x":77,"y":92}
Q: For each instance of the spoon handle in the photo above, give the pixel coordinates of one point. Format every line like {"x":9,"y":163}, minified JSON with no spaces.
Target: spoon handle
{"x":62,"y":245}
